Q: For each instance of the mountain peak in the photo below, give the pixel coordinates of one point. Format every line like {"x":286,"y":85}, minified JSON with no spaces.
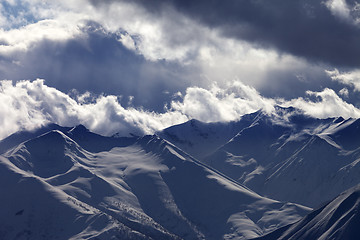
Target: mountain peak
{"x":46,"y":155}
{"x":22,"y":136}
{"x":79,"y":129}
{"x":338,"y":119}
{"x":54,"y":139}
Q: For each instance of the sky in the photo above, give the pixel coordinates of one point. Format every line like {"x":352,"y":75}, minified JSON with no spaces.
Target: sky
{"x":140,"y":66}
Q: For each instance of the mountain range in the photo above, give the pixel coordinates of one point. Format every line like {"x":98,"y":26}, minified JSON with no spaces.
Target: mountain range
{"x":259,"y":177}
{"x":287,"y":156}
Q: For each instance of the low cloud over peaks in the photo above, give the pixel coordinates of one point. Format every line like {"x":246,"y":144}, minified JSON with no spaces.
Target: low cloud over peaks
{"x":139,"y":66}
{"x":34,"y":104}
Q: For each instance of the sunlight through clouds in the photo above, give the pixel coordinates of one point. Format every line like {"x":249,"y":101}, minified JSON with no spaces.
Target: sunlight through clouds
{"x":132,"y":58}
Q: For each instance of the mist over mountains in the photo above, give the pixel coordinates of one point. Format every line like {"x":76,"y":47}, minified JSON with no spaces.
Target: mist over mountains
{"x":235,"y":180}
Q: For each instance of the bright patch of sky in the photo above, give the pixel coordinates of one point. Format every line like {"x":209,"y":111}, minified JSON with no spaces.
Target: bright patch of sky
{"x":16,"y":14}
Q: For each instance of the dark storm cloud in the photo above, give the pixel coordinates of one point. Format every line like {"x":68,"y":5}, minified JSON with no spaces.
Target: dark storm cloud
{"x":305,"y":28}
{"x":98,"y":63}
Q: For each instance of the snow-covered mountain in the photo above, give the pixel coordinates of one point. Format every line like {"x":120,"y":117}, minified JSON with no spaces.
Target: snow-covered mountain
{"x":69,"y":183}
{"x":89,"y":141}
{"x":202,"y":139}
{"x":337,"y":220}
{"x":286,"y":156}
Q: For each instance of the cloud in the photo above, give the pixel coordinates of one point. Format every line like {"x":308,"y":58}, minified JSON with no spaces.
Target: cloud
{"x":25,"y":38}
{"x":120,"y":48}
{"x":123,"y":50}
{"x":351,"y":78}
{"x":305,"y":28}
{"x":27,"y":105}
{"x":339,"y":8}
{"x":30,"y":104}
{"x":95,"y":61}
{"x":346,"y":10}
{"x":326,"y":104}
{"x":146,"y":53}
{"x":218,"y":104}
{"x":344,"y":92}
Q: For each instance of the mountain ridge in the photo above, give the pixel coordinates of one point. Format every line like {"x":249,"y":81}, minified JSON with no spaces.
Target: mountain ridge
{"x":254,"y":155}
{"x":338,"y":219}
{"x":221,"y":185}
{"x":150,"y":187}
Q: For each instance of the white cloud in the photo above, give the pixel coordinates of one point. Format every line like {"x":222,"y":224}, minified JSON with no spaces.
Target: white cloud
{"x":128,"y":41}
{"x":24,"y":38}
{"x":27,"y":105}
{"x":344,"y":92}
{"x":347,"y":11}
{"x":326,"y":104}
{"x":170,"y":36}
{"x":209,"y":55}
{"x":351,"y":78}
{"x":218,"y":104}
{"x":339,"y":8}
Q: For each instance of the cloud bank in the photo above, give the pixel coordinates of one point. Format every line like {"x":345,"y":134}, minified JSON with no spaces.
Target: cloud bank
{"x":148,"y":52}
{"x":140,"y":66}
{"x":318,"y":30}
{"x":27,"y":105}
{"x":30,"y":104}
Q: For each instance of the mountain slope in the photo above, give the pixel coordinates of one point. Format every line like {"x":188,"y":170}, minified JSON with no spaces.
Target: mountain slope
{"x":33,"y":209}
{"x":149,"y":189}
{"x":56,"y":161}
{"x":22,"y":136}
{"x":286,"y":155}
{"x":201,"y":139}
{"x":302,"y":166}
{"x":338,"y":219}
{"x":89,"y":141}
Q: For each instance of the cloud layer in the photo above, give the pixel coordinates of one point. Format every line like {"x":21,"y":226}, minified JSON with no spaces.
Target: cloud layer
{"x":27,"y":105}
{"x":148,"y":52}
{"x":325,"y":31}
{"x":139,"y":66}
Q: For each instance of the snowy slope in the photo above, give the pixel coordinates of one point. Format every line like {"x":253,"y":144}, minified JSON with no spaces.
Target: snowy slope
{"x":347,"y":133}
{"x":89,"y":141}
{"x":21,"y":136}
{"x":287,"y":156}
{"x":54,"y":163}
{"x":201,"y":139}
{"x":316,"y":173}
{"x":55,"y":189}
{"x":305,"y":166}
{"x":337,"y":220}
